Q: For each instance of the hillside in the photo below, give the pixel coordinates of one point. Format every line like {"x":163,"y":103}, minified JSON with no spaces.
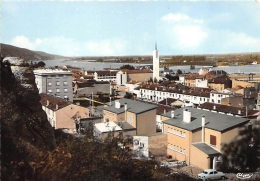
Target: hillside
{"x":26,"y":54}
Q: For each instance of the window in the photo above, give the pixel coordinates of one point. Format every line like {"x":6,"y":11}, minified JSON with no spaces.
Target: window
{"x":49,"y":90}
{"x":213,"y":140}
{"x":65,"y":83}
{"x":65,"y":90}
{"x":219,"y":101}
{"x":130,"y":119}
{"x":58,"y":83}
{"x":57,"y":90}
{"x":49,"y":84}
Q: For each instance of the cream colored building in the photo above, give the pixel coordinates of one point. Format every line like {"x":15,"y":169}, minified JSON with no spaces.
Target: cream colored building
{"x":140,"y":115}
{"x":196,"y":136}
{"x":62,"y":114}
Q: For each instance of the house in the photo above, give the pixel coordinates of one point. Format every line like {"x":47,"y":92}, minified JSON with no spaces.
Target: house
{"x":121,"y":129}
{"x":153,"y":92}
{"x":229,"y":110}
{"x":105,"y":75}
{"x":139,"y":115}
{"x":217,"y":96}
{"x":54,"y":82}
{"x":196,"y":136}
{"x":220,"y":83}
{"x":63,"y":114}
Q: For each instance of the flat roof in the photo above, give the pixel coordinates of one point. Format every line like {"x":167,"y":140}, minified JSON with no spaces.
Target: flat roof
{"x":215,"y":121}
{"x":133,"y":106}
{"x":107,"y":127}
{"x":125,"y":125}
{"x":206,"y":148}
{"x":50,"y":72}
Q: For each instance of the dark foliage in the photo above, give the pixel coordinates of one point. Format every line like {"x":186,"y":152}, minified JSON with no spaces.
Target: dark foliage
{"x":170,"y":77}
{"x":129,"y":67}
{"x":243,"y":153}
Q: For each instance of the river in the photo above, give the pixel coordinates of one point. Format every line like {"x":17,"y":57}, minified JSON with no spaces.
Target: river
{"x":185,"y":69}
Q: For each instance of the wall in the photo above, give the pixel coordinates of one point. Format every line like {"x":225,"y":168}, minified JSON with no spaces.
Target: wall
{"x":199,"y":159}
{"x":146,"y":122}
{"x":229,"y":135}
{"x":209,"y":132}
{"x":236,"y":83}
{"x":139,"y":77}
{"x":104,"y":88}
{"x":141,"y":146}
{"x":176,"y":143}
{"x":64,"y":116}
{"x":217,"y":87}
{"x":196,"y":136}
{"x":158,"y":145}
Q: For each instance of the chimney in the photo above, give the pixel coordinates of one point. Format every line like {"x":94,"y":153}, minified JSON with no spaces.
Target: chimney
{"x":186,"y":115}
{"x":125,"y":106}
{"x":203,"y":128}
{"x":125,"y":111}
{"x":47,"y":104}
{"x":57,"y":107}
{"x":172,"y":114}
{"x":117,"y":104}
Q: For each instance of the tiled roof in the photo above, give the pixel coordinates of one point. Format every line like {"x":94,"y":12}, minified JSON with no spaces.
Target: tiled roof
{"x":219,"y":80}
{"x":227,"y":109}
{"x":106,"y":72}
{"x":137,"y":71}
{"x":54,"y":102}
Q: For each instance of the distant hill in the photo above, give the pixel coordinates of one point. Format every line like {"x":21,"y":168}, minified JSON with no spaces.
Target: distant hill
{"x":26,"y":54}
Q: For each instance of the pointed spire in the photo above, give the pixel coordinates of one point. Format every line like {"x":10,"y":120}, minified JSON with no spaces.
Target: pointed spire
{"x":155,"y":45}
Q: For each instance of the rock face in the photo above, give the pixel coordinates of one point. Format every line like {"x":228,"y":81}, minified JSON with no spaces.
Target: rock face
{"x":26,"y":132}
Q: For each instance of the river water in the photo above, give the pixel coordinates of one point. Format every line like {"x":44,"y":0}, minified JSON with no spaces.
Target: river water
{"x":101,"y":65}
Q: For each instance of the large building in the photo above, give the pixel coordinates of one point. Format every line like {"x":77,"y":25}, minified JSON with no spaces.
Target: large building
{"x":54,"y":82}
{"x":139,"y":115}
{"x":197,"y":136}
{"x":63,"y":114}
{"x":156,"y":64}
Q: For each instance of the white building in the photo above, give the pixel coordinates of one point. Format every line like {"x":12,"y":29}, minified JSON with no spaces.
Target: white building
{"x":215,"y":96}
{"x":156,"y":63}
{"x":203,"y":83}
{"x":121,"y":78}
{"x":54,"y":82}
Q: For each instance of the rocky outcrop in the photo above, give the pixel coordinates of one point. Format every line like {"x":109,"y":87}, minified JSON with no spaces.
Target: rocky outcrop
{"x":26,"y":132}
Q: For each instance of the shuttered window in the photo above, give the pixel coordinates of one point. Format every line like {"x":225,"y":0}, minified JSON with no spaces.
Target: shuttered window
{"x":213,"y":140}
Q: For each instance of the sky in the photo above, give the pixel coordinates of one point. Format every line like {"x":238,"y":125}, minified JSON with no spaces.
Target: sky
{"x":116,"y":28}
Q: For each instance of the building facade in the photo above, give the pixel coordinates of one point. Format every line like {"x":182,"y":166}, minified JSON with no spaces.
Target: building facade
{"x":139,"y":115}
{"x":196,"y":136}
{"x":54,"y":82}
{"x":63,"y":114}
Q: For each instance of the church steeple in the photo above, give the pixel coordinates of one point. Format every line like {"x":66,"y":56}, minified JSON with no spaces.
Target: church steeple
{"x":155,"y":45}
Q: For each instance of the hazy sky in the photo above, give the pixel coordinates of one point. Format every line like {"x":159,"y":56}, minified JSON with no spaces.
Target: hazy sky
{"x":76,"y":28}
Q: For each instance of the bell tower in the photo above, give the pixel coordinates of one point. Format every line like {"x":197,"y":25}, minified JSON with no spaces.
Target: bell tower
{"x":156,"y":63}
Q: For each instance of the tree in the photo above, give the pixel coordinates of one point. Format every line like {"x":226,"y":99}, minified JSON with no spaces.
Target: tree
{"x":243,"y":153}
{"x":128,"y":95}
{"x":179,"y":72}
{"x":129,"y":67}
